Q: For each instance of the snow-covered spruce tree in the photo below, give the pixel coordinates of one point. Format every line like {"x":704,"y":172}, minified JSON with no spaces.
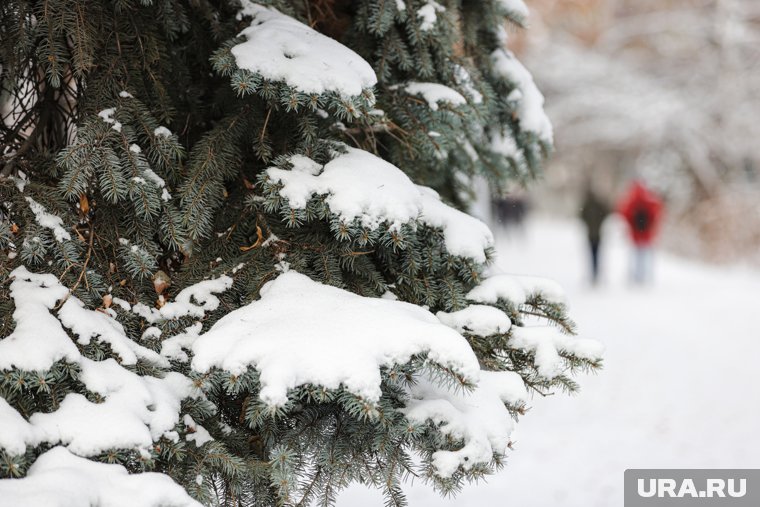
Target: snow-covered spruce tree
{"x":233,"y":266}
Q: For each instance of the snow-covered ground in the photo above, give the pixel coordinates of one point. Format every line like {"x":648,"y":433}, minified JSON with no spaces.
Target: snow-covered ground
{"x":679,"y":388}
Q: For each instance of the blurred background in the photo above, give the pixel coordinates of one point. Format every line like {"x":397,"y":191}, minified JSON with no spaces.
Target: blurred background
{"x":664,"y":90}
{"x":665,"y":93}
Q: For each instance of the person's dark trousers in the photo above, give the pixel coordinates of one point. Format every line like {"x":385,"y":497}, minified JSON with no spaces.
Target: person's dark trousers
{"x":594,"y":248}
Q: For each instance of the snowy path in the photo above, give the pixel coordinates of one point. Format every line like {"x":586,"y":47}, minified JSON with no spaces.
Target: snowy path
{"x":679,"y":388}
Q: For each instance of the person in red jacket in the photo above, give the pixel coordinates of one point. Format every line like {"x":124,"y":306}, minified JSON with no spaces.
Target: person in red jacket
{"x":642,"y":210}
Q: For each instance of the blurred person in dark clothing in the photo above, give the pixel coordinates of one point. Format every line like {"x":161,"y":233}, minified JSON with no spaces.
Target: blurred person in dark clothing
{"x":593,"y":212}
{"x":642,"y":210}
{"x":510,"y":211}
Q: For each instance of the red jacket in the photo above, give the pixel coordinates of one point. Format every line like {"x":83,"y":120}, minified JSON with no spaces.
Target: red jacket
{"x":642,"y":210}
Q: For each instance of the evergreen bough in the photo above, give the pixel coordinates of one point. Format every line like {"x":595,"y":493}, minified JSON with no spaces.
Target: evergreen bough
{"x":144,"y":196}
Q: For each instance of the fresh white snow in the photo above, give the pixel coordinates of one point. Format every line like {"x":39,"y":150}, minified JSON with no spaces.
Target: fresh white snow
{"x":546,"y":342}
{"x":48,"y":220}
{"x":464,"y":80}
{"x":358,"y":185}
{"x":333,"y":338}
{"x":88,"y":324}
{"x":479,"y":418}
{"x":134,"y":411}
{"x":193,"y":301}
{"x":433,"y":93}
{"x":516,"y":7}
{"x":530,"y":100}
{"x":504,"y":145}
{"x":479,"y":320}
{"x":361,"y":186}
{"x":38,"y":339}
{"x":279,"y":48}
{"x":197,"y":434}
{"x":463,"y":234}
{"x":162,"y":131}
{"x":17,"y":432}
{"x":107,"y":116}
{"x":516,"y":289}
{"x":60,"y":479}
{"x":428,"y":14}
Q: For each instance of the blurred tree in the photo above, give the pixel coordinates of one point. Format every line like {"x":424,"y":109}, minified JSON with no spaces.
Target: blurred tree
{"x":666,"y":91}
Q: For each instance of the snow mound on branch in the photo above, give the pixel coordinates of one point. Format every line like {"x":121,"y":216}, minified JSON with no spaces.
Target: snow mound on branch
{"x":479,"y":320}
{"x":433,"y":93}
{"x":279,"y":48}
{"x":358,"y":185}
{"x":478,"y":418}
{"x":530,"y":101}
{"x":517,"y":7}
{"x":333,"y":338}
{"x":197,"y":434}
{"x":16,"y":431}
{"x":504,"y":145}
{"x":61,"y":479}
{"x":464,"y":80}
{"x":48,"y":220}
{"x":136,"y":411}
{"x":192,"y":301}
{"x":174,"y":347}
{"x":464,"y":235}
{"x":88,"y":324}
{"x":107,"y":116}
{"x":428,"y":14}
{"x":38,"y":340}
{"x":516,"y":289}
{"x":361,"y":186}
{"x":546,"y":342}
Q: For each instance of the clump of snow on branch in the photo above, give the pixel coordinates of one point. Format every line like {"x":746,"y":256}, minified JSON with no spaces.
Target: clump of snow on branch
{"x":38,"y":340}
{"x":479,"y":320}
{"x":464,"y":235}
{"x":135,"y":410}
{"x":174,"y":347}
{"x":360,"y":186}
{"x":162,"y":131}
{"x":434,"y":93}
{"x":48,"y":220}
{"x":88,"y":324}
{"x":107,"y":116}
{"x":428,"y":14}
{"x":279,"y":48}
{"x":192,"y":301}
{"x":478,"y":418}
{"x":530,"y":108}
{"x":464,"y":80}
{"x":334,"y":339}
{"x":547,"y":342}
{"x":17,"y":432}
{"x":197,"y":433}
{"x":516,"y":289}
{"x":515,"y":7}
{"x":150,"y":175}
{"x":58,"y":478}
{"x":504,"y":144}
